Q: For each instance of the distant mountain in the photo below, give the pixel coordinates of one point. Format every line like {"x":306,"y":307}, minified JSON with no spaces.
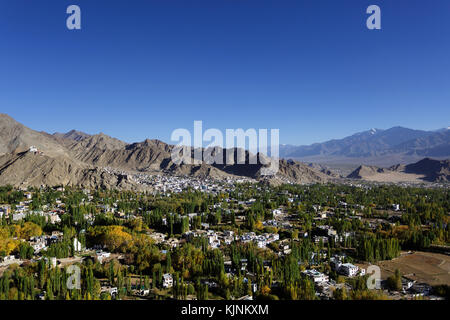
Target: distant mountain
{"x":427,"y":169}
{"x":324,"y":169}
{"x":433,"y":170}
{"x":435,"y":144}
{"x":443,"y":129}
{"x":72,"y":135}
{"x":364,"y":172}
{"x":77,"y":158}
{"x":374,"y":146}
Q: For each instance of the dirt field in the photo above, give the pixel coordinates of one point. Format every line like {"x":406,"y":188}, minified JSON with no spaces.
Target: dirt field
{"x":427,"y":267}
{"x":395,"y":177}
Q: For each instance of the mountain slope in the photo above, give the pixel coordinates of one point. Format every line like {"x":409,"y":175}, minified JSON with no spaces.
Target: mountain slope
{"x":15,"y":137}
{"x":76,"y":158}
{"x":364,"y":172}
{"x":435,"y":144}
{"x":424,"y":170}
{"x":31,"y":169}
{"x":434,"y":170}
{"x":72,"y":135}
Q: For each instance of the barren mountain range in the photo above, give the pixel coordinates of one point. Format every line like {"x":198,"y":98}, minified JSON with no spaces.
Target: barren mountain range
{"x":424,"y":170}
{"x":375,"y":147}
{"x":77,"y":158}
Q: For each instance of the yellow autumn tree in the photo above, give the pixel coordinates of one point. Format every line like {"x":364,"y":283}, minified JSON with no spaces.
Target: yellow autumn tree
{"x":115,"y":237}
{"x":7,"y":243}
{"x":265,"y":290}
{"x":29,"y":230}
{"x":259,"y":225}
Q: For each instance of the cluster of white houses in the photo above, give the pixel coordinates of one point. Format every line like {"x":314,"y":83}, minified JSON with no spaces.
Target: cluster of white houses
{"x":346,"y":269}
{"x":22,"y":210}
{"x":216,"y":238}
{"x":166,"y":184}
{"x":261,"y":240}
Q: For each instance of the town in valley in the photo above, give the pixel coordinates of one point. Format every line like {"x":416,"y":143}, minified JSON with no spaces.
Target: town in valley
{"x":197,"y":239}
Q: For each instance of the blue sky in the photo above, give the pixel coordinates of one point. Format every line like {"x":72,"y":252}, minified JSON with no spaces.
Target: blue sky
{"x":140,"y":69}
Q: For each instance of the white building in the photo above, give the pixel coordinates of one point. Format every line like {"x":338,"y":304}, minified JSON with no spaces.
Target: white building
{"x":316,"y":276}
{"x":212,"y":237}
{"x":144,"y":292}
{"x":215,"y":244}
{"x":102,"y":255}
{"x":228,"y":240}
{"x":276,"y":212}
{"x":322,"y":215}
{"x":38,"y":244}
{"x":53,"y":262}
{"x":261,"y":244}
{"x":53,"y":218}
{"x":76,"y":245}
{"x":9,"y":259}
{"x":348,"y":269}
{"x":407,"y":284}
{"x":18,"y":216}
{"x":157,"y":237}
{"x":228,"y":233}
{"x":335,"y":263}
{"x":173,"y":242}
{"x":167,"y":280}
{"x":111,"y":290}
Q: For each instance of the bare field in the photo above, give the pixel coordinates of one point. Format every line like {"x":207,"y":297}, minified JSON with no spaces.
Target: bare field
{"x":395,"y":177}
{"x":427,"y":267}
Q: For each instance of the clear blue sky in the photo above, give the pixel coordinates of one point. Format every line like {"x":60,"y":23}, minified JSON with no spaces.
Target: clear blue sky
{"x":140,"y":69}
